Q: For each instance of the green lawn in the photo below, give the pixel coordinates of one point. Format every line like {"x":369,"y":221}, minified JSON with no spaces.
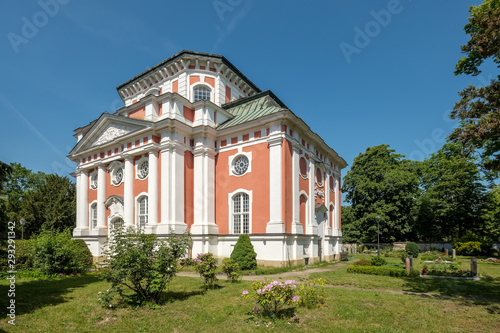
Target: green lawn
{"x":70,"y":304}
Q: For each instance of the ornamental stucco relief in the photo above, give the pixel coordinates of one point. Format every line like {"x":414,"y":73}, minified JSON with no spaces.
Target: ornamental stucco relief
{"x":111,"y":132}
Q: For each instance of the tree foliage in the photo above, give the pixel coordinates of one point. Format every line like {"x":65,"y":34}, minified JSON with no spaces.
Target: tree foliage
{"x":479,"y":108}
{"x":382,"y":183}
{"x":453,"y":195}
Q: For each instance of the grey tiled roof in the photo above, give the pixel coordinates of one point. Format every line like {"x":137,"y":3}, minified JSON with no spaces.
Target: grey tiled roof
{"x":252,"y":108}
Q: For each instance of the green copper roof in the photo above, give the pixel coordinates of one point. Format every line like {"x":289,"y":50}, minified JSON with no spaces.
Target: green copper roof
{"x":252,"y":108}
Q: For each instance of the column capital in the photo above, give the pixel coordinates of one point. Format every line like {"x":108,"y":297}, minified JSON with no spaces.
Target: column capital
{"x":275,"y":140}
{"x":204,"y":150}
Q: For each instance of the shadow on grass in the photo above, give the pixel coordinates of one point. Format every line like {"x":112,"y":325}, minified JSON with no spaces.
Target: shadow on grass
{"x":36,"y":294}
{"x":487,"y":288}
{"x":175,"y":296}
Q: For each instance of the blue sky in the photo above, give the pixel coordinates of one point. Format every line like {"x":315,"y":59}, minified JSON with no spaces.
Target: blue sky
{"x":391,"y":83}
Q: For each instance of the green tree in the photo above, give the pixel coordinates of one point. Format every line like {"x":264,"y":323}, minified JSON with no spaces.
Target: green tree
{"x":453,"y":195}
{"x":382,"y":183}
{"x":351,"y":230}
{"x":491,"y":215}
{"x":479,"y":108}
{"x":50,"y":206}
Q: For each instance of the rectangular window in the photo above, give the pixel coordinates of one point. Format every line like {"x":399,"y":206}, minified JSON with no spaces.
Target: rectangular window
{"x":93,"y":211}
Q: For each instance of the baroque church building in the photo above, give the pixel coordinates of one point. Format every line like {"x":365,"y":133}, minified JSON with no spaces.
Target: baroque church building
{"x":200,"y":148}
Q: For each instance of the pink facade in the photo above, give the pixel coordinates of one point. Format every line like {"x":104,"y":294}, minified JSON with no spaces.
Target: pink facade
{"x":199,"y":148}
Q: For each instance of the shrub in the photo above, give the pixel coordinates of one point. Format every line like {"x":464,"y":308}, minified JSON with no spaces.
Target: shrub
{"x":23,"y":254}
{"x":378,"y":270}
{"x":311,"y":293}
{"x":205,"y":265}
{"x":230,"y":268}
{"x":244,"y":254}
{"x":362,"y":262}
{"x":55,"y":253}
{"x":142,"y":263}
{"x":378,"y":261}
{"x":412,"y":249}
{"x":468,"y":248}
{"x":272,"y":295}
{"x":471,"y":244}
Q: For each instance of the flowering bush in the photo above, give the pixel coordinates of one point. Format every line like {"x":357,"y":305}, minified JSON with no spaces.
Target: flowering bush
{"x":311,"y":293}
{"x":273,"y":295}
{"x":205,"y":265}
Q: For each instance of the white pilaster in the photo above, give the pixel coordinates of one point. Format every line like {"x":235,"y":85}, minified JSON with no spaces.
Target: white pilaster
{"x":328,"y":222}
{"x":101,"y":198}
{"x":204,"y":188}
{"x":176,"y":219}
{"x":165,"y":189}
{"x":275,"y":224}
{"x":296,"y":225}
{"x":128,"y":192}
{"x":312,"y":226}
{"x":152,"y":191}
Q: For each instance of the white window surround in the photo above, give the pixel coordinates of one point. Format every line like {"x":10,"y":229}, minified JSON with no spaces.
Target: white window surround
{"x":332,"y":189}
{"x":331,"y":217}
{"x":303,"y":193}
{"x":115,"y":169}
{"x":137,"y":208}
{"x":307,"y":167}
{"x":93,"y":215}
{"x":231,"y":161}
{"x":203,"y":85}
{"x":138,"y":165}
{"x":322,"y":177}
{"x":230,"y":197}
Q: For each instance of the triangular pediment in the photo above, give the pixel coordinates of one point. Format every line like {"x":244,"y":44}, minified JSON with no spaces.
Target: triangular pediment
{"x":109,"y":128}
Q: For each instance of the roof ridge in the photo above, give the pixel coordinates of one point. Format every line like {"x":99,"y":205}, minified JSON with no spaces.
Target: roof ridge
{"x":252,"y":98}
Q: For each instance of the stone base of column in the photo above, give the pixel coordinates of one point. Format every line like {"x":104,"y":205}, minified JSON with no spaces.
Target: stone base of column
{"x":175,"y":227}
{"x":312,"y":230}
{"x":328,"y":231}
{"x":297,"y":228}
{"x":275,"y":227}
{"x":100,"y":231}
{"x":78,"y":232}
{"x":204,"y":229}
{"x":150,"y":228}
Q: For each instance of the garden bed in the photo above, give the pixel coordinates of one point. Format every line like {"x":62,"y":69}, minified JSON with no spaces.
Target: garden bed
{"x":451,"y":277}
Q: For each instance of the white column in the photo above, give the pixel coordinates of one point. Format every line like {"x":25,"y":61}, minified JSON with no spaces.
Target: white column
{"x":296,"y":225}
{"x":275,"y":224}
{"x":82,"y":203}
{"x":101,"y":198}
{"x":128,"y":192}
{"x":337,"y":206}
{"x":204,"y":189}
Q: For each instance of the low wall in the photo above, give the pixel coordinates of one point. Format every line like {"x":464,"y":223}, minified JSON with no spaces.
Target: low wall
{"x":400,"y":246}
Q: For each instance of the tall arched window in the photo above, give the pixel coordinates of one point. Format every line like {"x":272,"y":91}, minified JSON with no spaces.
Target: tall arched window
{"x":142,"y":211}
{"x":202,"y":92}
{"x":93,"y":215}
{"x":241,"y":213}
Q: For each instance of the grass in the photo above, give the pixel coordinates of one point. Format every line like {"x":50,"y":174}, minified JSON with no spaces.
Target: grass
{"x":70,"y":304}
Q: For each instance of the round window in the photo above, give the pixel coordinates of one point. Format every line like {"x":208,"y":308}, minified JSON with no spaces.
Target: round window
{"x":93,"y":181}
{"x":143,"y":169}
{"x":240,"y":165}
{"x":118,"y":176}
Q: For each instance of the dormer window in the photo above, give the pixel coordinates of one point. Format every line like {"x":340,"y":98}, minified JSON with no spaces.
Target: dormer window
{"x":202,"y":93}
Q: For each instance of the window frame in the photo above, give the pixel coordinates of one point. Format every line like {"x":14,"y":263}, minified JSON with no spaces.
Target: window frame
{"x":232,"y":159}
{"x":140,"y":215}
{"x":93,"y":211}
{"x":231,"y":200}
{"x":202,"y":85}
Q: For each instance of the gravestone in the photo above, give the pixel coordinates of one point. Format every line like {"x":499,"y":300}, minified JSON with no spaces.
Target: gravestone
{"x":408,"y":266}
{"x":411,"y":260}
{"x":446,"y":252}
{"x":473,"y":266}
{"x":350,"y":249}
{"x":453,"y":253}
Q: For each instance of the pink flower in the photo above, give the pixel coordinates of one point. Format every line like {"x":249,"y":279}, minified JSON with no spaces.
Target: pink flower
{"x":256,"y":309}
{"x":295,"y":298}
{"x":244,"y":292}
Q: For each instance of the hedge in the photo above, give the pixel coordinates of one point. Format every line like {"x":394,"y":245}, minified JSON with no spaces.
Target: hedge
{"x":378,"y":270}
